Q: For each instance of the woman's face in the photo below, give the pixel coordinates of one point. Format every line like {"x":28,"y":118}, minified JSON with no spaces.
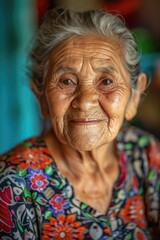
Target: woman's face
{"x":88,"y":92}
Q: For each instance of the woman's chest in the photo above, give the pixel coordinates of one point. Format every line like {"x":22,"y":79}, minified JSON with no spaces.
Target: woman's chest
{"x":66,"y":216}
{"x":62,"y":215}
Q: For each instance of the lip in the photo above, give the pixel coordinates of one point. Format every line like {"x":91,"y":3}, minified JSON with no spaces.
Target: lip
{"x":86,"y":121}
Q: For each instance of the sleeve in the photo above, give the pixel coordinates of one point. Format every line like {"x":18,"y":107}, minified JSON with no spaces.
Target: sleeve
{"x":152,"y":194}
{"x":17,"y":214}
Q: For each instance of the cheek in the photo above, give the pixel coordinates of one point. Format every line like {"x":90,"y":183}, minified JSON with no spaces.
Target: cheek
{"x":57,"y":105}
{"x":109,"y":103}
{"x":58,"y":108}
{"x":114,"y":104}
{"x":57,"y":112}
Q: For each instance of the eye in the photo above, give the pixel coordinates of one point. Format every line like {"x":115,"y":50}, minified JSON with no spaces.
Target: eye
{"x":105,"y":84}
{"x":106,"y":81}
{"x":68,"y":84}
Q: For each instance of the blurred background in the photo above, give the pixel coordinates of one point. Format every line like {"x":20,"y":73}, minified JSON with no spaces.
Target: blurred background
{"x":19,"y":20}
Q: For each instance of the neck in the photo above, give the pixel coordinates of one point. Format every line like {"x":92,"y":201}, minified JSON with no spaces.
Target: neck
{"x":91,"y":173}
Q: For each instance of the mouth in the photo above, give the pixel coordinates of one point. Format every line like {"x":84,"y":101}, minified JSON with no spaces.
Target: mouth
{"x":86,"y":121}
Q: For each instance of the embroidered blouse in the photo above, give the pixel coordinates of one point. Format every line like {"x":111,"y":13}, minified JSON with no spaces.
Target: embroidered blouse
{"x":38,"y":202}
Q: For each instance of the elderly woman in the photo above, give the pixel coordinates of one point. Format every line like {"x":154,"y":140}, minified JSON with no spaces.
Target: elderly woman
{"x":91,"y":175}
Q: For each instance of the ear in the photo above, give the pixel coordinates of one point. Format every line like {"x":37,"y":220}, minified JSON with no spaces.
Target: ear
{"x":132,"y":106}
{"x":41,"y":99}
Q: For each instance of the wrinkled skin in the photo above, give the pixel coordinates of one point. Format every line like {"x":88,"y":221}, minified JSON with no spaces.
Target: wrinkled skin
{"x":87,"y":96}
{"x":88,"y":92}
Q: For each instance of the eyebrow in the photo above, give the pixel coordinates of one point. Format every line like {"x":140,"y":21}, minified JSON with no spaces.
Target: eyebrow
{"x":66,"y":69}
{"x":108,"y":69}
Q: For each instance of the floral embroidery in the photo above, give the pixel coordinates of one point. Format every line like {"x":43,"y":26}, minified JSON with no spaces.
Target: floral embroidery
{"x":58,"y":204}
{"x":139,"y":235}
{"x":25,"y":156}
{"x":133,"y":211}
{"x":38,"y":181}
{"x":63,"y":227}
{"x":5,"y":216}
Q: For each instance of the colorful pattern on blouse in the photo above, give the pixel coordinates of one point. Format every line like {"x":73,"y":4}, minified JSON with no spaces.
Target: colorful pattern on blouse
{"x":38,"y":202}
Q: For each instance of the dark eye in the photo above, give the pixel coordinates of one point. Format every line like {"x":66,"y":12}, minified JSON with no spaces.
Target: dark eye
{"x":106,"y":81}
{"x":105,"y":85}
{"x":67,"y":82}
{"x":68,"y":85}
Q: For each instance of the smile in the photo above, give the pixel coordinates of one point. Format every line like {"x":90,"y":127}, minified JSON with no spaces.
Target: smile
{"x":86,"y":121}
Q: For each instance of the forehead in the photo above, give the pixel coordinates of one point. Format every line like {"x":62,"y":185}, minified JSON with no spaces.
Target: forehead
{"x":98,"y":50}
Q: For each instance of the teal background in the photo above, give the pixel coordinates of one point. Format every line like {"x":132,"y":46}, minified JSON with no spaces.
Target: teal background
{"x":19,"y":111}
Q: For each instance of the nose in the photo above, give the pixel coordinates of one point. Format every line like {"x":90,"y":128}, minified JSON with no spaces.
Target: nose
{"x":85,"y":99}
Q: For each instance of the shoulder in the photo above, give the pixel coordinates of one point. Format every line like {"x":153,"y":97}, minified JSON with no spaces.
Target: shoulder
{"x":143,"y":154}
{"x":145,"y":142}
{"x":18,"y":203}
{"x":137,"y":136}
{"x":134,"y":138}
{"x":141,"y":148}
{"x":30,"y":153}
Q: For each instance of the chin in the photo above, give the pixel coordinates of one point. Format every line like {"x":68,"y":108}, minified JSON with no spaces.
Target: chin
{"x":86,"y":144}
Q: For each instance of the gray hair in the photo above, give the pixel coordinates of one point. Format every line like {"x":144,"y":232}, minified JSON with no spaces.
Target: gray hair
{"x":60,"y":24}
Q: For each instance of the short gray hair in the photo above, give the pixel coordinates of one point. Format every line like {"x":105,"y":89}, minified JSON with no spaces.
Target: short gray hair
{"x":60,"y":24}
